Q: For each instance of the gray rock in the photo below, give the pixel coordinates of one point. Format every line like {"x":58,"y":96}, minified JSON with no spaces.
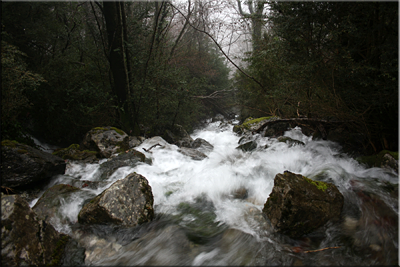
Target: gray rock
{"x":23,"y":165}
{"x":25,"y":239}
{"x":130,"y":158}
{"x":389,"y":162}
{"x":128,"y":201}
{"x":135,"y":141}
{"x":248,"y":146}
{"x":291,"y":142}
{"x":178,"y":136}
{"x":106,"y":140}
{"x":202,"y":145}
{"x":48,"y":206}
{"x":193,"y":153}
{"x":298,"y":205}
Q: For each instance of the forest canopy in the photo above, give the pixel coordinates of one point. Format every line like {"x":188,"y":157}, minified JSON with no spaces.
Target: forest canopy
{"x":144,"y":66}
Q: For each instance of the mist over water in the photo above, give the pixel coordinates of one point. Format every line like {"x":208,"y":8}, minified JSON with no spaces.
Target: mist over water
{"x":222,"y":229}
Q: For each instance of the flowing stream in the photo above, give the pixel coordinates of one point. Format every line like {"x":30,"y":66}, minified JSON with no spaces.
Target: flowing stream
{"x":209,"y":212}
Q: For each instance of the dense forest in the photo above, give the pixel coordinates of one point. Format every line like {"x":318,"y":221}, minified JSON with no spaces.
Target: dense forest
{"x":144,"y":66}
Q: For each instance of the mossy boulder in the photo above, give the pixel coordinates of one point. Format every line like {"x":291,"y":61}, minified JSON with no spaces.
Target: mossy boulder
{"x":128,"y":201}
{"x":252,"y":125}
{"x":25,"y":238}
{"x":74,"y":152}
{"x":298,"y":205}
{"x":22,"y":165}
{"x":106,"y":141}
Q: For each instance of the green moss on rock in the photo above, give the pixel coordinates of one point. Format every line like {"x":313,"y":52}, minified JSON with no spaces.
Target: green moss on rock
{"x":320,"y":185}
{"x":9,"y":143}
{"x":58,"y":251}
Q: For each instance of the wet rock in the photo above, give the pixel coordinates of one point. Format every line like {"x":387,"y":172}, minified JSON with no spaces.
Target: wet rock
{"x":202,"y":145}
{"x":48,"y":205}
{"x":198,"y":219}
{"x":384,"y":159}
{"x":193,"y":153}
{"x":135,"y":141}
{"x":74,"y":152}
{"x":240,"y":193}
{"x":25,"y":239}
{"x":218,"y":117}
{"x":248,"y":146}
{"x":128,"y":201}
{"x":23,"y":165}
{"x":239,"y":248}
{"x":178,"y":136}
{"x":389,"y":162}
{"x":160,"y":246}
{"x":252,"y":125}
{"x":291,"y":142}
{"x":130,"y":158}
{"x":106,"y":141}
{"x":276,"y":129}
{"x":298,"y":205}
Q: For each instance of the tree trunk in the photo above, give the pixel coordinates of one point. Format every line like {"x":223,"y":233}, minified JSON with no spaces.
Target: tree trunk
{"x":116,"y":33}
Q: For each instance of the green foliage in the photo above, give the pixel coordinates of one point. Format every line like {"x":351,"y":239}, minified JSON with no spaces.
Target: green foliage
{"x":331,"y":60}
{"x":66,"y":44}
{"x":16,"y":83}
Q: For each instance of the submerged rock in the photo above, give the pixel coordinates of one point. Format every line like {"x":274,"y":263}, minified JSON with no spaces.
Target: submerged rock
{"x":291,"y":142}
{"x":202,"y":145}
{"x":25,"y":239}
{"x":23,"y":165}
{"x":298,"y":205}
{"x":130,"y":158}
{"x":106,"y":141}
{"x":128,"y":201}
{"x":48,"y":206}
{"x":248,"y":146}
{"x":193,"y":153}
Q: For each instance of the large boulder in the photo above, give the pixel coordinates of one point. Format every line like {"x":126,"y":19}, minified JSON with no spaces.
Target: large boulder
{"x":130,"y":158}
{"x":128,"y":201}
{"x":26,"y":239}
{"x":23,"y":165}
{"x":106,"y":141}
{"x":298,"y":205}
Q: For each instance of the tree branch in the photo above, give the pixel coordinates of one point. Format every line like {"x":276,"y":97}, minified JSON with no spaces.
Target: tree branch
{"x":219,"y":47}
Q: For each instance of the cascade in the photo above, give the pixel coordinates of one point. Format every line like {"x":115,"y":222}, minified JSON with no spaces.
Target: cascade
{"x":209,"y":212}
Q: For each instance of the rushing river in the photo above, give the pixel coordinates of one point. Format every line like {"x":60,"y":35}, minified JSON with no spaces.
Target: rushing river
{"x":209,"y":212}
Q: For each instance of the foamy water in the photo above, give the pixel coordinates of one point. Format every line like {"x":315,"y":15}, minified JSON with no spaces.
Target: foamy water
{"x":176,"y":178}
